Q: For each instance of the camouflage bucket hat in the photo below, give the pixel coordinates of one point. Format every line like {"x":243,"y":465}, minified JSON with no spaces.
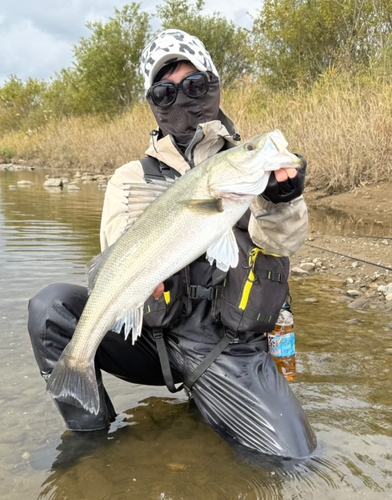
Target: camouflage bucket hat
{"x":170,"y":46}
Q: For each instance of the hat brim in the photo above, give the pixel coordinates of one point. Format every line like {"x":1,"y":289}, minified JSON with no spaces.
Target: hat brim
{"x":172,"y":57}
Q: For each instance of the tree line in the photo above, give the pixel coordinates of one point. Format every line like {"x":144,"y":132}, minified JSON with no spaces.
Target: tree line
{"x":291,"y":44}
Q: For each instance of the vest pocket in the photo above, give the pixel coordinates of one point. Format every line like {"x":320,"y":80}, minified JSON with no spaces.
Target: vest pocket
{"x":254,"y":292}
{"x":163,"y":312}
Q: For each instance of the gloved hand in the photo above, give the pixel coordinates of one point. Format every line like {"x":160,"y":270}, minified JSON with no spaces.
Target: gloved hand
{"x":289,"y":189}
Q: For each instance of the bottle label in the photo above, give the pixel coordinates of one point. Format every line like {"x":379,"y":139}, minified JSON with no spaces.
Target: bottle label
{"x":282,"y":346}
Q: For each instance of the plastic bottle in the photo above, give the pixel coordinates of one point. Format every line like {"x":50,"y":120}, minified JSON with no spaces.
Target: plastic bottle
{"x":281,"y":344}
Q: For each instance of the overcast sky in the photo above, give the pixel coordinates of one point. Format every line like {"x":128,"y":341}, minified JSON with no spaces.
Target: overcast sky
{"x":36,"y":36}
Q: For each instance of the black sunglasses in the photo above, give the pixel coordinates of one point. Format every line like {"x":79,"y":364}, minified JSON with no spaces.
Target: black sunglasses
{"x":164,"y":94}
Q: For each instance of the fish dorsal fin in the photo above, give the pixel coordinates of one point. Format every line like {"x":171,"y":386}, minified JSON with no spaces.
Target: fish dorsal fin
{"x":224,"y":251}
{"x":140,"y":195}
{"x":132,"y":320}
{"x":95,"y":265}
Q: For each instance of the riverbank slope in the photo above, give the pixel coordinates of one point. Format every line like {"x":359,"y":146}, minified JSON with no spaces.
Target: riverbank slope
{"x":350,"y":238}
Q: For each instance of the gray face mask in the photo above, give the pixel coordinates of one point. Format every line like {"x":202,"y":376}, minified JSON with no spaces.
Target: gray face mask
{"x":182,"y":118}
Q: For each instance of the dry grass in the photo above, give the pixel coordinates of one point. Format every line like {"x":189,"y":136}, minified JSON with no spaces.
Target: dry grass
{"x":342,"y":127}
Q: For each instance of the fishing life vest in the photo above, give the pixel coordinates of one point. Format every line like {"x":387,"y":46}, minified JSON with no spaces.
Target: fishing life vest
{"x":247,"y":299}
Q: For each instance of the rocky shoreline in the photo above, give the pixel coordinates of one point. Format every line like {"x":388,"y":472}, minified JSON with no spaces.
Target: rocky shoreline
{"x":362,"y":264}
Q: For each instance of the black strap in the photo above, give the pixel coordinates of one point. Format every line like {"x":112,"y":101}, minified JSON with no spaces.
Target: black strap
{"x":207,"y":362}
{"x":164,"y":359}
{"x":271,"y":275}
{"x":199,"y":292}
{"x":155,"y":169}
{"x":198,"y":371}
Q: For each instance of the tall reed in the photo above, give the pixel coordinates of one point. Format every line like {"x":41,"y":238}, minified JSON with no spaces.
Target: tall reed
{"x":342,"y":126}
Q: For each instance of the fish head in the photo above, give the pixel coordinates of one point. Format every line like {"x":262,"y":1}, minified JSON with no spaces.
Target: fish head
{"x":245,"y":170}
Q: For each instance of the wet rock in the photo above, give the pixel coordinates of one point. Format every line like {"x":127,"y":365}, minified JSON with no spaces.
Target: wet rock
{"x":299,"y":272}
{"x":343,"y":300}
{"x":311,"y":300}
{"x":53,"y":182}
{"x":65,"y":180}
{"x":339,"y":291}
{"x":353,"y":293}
{"x":308,"y":266}
{"x":389,"y":326}
{"x":349,"y":281}
{"x":73,"y":187}
{"x":353,"y":321}
{"x":177,"y":467}
{"x":388,"y":289}
{"x":88,"y":177}
{"x":360,"y":303}
{"x":12,"y":186}
{"x":25,"y":183}
{"x":77,"y":174}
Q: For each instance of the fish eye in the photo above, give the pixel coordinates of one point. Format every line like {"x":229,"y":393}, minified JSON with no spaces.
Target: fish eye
{"x":250,"y":147}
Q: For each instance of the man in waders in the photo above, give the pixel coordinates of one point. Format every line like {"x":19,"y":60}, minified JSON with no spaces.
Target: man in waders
{"x":200,"y":338}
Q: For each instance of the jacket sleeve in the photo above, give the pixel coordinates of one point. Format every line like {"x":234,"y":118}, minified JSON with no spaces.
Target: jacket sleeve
{"x":115,"y":213}
{"x":281,"y":228}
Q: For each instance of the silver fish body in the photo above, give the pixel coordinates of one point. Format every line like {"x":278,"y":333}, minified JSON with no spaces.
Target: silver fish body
{"x":193,"y":216}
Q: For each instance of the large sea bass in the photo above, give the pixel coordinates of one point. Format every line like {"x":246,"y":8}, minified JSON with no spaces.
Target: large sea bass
{"x":191,"y":216}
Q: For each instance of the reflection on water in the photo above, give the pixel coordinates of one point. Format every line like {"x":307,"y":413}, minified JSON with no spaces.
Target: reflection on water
{"x":337,"y":223}
{"x":159,"y":447}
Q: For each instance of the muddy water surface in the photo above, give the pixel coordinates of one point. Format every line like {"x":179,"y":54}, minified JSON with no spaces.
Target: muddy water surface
{"x":159,"y":447}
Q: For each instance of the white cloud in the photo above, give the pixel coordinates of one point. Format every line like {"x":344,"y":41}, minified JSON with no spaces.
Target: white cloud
{"x":36,"y":38}
{"x":40,"y":57}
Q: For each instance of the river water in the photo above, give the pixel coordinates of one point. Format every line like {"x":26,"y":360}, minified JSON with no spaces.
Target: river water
{"x":159,"y":447}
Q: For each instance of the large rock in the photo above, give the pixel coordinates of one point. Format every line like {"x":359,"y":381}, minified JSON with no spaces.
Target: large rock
{"x":299,"y":272}
{"x":387,"y":289}
{"x":360,"y":303}
{"x":24,"y":183}
{"x":53,"y":182}
{"x":308,"y":266}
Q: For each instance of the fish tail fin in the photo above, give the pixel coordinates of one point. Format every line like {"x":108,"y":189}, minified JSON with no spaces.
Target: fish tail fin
{"x":76,"y":385}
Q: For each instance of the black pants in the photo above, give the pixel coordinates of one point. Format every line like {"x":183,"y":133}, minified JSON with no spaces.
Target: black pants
{"x":241,"y":395}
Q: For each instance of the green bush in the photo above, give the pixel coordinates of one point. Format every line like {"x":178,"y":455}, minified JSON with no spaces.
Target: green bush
{"x":6,"y":154}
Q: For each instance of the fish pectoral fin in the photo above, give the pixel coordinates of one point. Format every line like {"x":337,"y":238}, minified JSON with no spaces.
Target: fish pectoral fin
{"x":132,"y":320}
{"x":213,"y":205}
{"x":224,"y":251}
